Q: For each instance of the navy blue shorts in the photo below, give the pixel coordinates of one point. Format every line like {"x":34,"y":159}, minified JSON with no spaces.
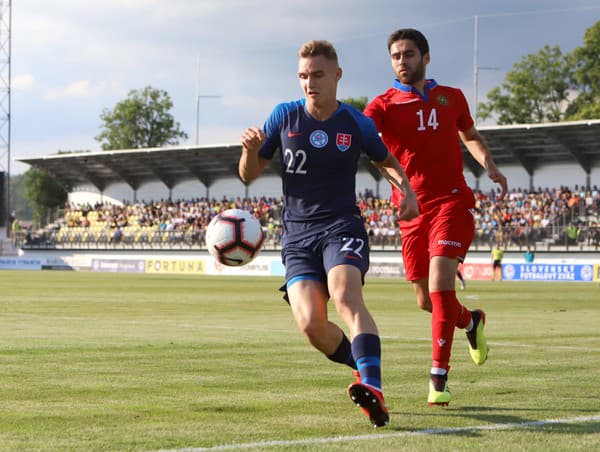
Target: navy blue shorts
{"x":312,"y":258}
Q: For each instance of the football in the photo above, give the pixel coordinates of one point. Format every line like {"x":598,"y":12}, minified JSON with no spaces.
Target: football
{"x":234,"y":237}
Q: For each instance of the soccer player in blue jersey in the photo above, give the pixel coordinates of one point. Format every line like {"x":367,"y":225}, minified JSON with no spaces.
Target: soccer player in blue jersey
{"x":325,"y":247}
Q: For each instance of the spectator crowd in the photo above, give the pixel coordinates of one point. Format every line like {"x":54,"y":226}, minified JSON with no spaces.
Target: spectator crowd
{"x":557,"y":216}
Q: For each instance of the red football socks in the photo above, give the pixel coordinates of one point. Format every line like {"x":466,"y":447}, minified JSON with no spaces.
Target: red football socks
{"x":444,"y":319}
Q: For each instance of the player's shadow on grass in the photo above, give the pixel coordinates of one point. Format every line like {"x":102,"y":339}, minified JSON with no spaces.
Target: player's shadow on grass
{"x":494,"y":417}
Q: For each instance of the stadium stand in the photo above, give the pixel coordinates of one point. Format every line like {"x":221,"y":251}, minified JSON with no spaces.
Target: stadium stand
{"x":541,"y":219}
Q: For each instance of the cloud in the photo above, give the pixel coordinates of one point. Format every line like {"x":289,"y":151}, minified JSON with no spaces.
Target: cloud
{"x":24,"y":82}
{"x":40,"y":31}
{"x":78,"y":88}
{"x":74,"y":58}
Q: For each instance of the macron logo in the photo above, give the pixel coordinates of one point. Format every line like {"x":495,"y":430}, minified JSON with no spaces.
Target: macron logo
{"x":450,"y":243}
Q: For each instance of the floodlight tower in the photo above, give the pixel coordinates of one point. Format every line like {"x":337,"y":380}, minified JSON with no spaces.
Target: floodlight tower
{"x":198,"y":97}
{"x":5,"y":29}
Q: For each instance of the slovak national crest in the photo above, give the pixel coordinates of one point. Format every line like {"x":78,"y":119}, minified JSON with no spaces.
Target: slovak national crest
{"x":343,"y":141}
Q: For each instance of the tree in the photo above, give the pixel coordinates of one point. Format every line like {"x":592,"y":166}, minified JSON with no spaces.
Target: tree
{"x":44,"y":193}
{"x":357,"y":102}
{"x":142,"y":120}
{"x":536,"y":90}
{"x":18,"y":201}
{"x":586,"y":76}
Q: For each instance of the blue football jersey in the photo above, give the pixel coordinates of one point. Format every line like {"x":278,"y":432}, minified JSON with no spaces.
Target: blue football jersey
{"x":319,"y":161}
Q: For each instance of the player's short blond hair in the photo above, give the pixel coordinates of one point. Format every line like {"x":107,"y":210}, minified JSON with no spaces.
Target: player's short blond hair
{"x":316,"y":48}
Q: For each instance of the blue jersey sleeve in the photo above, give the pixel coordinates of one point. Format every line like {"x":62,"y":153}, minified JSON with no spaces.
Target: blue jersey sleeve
{"x":374,"y":147}
{"x":273,"y":127}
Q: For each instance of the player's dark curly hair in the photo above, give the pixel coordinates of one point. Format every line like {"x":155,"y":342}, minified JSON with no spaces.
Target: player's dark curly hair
{"x":414,"y":35}
{"x":316,"y":48}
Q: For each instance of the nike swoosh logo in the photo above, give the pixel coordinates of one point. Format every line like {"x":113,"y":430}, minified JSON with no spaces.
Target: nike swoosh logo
{"x":294,"y":134}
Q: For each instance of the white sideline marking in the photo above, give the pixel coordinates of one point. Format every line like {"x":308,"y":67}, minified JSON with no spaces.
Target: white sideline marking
{"x":429,"y":431}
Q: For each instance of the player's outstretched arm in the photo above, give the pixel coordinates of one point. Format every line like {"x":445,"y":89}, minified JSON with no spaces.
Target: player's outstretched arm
{"x":395,"y":175}
{"x":251,"y":165}
{"x":477,"y":147}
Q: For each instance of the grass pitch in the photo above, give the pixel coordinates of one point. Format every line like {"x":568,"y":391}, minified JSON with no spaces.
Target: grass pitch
{"x":97,"y":361}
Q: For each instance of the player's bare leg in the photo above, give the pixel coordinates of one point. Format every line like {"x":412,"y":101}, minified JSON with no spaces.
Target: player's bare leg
{"x":421,"y":288}
{"x":345,"y":288}
{"x":308,"y":300}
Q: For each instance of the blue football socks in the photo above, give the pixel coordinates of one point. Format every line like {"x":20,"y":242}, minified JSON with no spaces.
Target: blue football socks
{"x":366,"y":349}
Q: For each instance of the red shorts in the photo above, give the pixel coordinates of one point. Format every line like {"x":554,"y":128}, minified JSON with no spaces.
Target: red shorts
{"x":443,"y":228}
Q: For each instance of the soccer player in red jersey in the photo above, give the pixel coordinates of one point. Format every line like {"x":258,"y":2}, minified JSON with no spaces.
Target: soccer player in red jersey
{"x":423,"y":123}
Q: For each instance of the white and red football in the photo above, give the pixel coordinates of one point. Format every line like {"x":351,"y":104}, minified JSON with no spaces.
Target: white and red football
{"x":234,"y":237}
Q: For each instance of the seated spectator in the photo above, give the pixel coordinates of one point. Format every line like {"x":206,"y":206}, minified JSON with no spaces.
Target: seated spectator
{"x":522,"y":218}
{"x":117,"y":235}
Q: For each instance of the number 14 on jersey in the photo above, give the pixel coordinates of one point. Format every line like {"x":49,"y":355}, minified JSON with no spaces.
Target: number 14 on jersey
{"x":431,"y":120}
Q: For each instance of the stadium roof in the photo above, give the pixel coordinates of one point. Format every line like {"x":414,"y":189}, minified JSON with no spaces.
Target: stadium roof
{"x":530,"y":146}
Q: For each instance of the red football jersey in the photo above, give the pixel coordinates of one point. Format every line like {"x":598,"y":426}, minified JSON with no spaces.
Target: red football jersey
{"x":421,"y":131}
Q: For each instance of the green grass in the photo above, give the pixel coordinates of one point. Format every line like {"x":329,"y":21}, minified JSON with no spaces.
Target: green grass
{"x":97,"y":361}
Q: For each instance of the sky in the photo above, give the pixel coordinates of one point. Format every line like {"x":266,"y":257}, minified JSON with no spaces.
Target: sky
{"x":71,"y":59}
